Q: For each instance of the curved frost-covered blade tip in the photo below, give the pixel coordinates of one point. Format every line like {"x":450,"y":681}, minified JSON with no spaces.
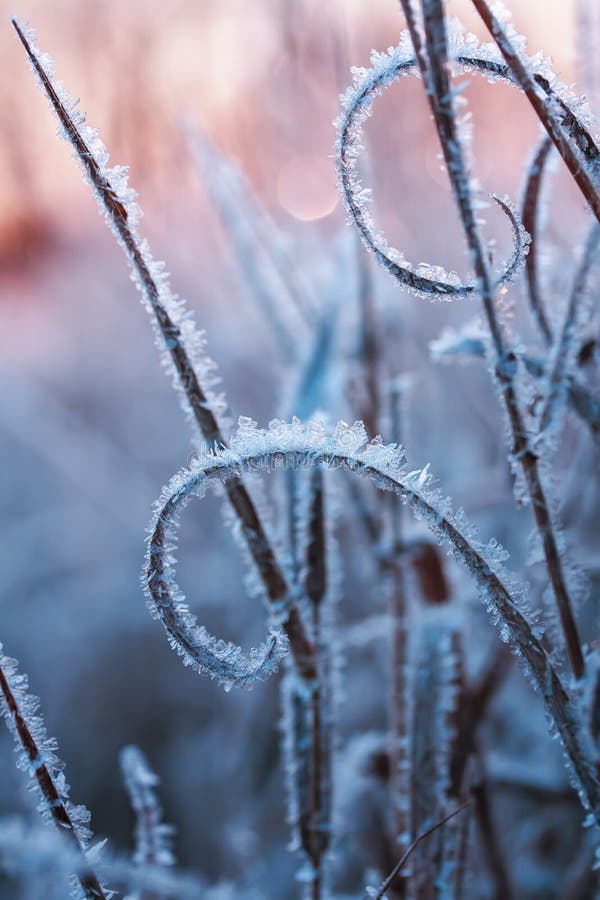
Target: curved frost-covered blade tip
{"x":468,"y":55}
{"x":521,"y":239}
{"x":208,"y":655}
{"x":305,"y":445}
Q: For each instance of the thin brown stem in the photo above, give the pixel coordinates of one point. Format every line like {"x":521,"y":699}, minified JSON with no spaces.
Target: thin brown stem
{"x":270,"y":571}
{"x":545,"y":114}
{"x":53,"y":800}
{"x":369,"y":521}
{"x":434,"y":70}
{"x":402,"y":861}
{"x":530,"y":216}
{"x":473,"y":707}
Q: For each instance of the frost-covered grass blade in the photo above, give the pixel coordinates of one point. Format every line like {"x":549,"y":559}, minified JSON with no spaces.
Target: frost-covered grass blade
{"x":37,"y":756}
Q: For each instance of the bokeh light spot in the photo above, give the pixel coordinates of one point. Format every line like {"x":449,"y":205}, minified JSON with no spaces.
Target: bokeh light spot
{"x":306,"y":187}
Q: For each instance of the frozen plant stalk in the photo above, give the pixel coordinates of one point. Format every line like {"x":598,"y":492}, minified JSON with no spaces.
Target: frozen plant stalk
{"x":431,"y":51}
{"x":152,"y":836}
{"x":183,"y":345}
{"x":295,"y":445}
{"x":37,"y":756}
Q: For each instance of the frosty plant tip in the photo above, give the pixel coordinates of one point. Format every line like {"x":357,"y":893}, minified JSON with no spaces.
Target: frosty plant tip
{"x":428,"y":42}
{"x":467,"y":56}
{"x":431,"y":750}
{"x":358,"y":102}
{"x":508,"y":40}
{"x":300,"y":446}
{"x":182,"y":345}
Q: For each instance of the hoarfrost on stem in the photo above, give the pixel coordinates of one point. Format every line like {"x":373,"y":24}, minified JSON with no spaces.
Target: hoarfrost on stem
{"x":424,"y":280}
{"x":38,"y":757}
{"x":300,"y":446}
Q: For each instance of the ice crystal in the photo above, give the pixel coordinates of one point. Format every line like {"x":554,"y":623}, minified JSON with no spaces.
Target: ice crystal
{"x":436,"y":665}
{"x":298,"y":445}
{"x":37,"y":756}
{"x":357,"y":102}
{"x":43,"y":857}
{"x":153,"y":837}
{"x":181,"y":344}
{"x":41,"y":750}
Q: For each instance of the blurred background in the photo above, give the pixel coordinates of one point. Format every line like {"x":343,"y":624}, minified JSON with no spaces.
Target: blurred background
{"x":90,"y":429}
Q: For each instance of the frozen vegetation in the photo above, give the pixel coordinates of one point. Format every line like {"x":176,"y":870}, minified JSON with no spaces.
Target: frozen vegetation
{"x":413,"y":714}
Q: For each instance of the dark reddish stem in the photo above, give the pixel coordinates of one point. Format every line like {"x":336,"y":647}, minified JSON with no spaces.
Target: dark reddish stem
{"x":546,"y":116}
{"x":53,"y":801}
{"x":274,"y":581}
{"x":432,"y":57}
{"x":402,"y":861}
{"x":530,"y":216}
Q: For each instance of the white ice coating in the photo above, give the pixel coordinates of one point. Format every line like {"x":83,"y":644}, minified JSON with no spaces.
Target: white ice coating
{"x":28,"y":708}
{"x":357,"y":105}
{"x":424,"y":280}
{"x":27,"y":849}
{"x":299,"y":445}
{"x":16,"y":703}
{"x":297,"y":694}
{"x":112,"y":190}
{"x":153,"y":838}
{"x":435,"y":651}
{"x":467,"y":342}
